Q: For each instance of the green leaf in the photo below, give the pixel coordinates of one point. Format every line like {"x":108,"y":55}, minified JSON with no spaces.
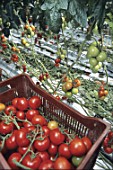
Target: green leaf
{"x":53,"y":20}
{"x":78,"y":11}
{"x":62,"y":4}
{"x":48,"y":4}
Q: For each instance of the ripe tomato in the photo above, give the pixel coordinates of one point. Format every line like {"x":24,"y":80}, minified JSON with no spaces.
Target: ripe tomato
{"x":42,"y":144}
{"x":76,"y":83}
{"x":52,"y":124}
{"x":22,"y":150}
{"x":77,"y":147}
{"x":108,"y":150}
{"x":10,"y":142}
{"x":22,"y":103}
{"x":56,"y":137}
{"x":21,"y":137}
{"x":14,"y":156}
{"x":14,"y":102}
{"x":28,"y":126}
{"x":87,"y":142}
{"x":6,"y":128}
{"x":52,"y":150}
{"x":30,"y":113}
{"x":38,"y":119}
{"x":64,"y":151}
{"x":46,"y":165}
{"x":43,"y":155}
{"x":31,"y":162}
{"x":34,"y":102}
{"x":110,"y":135}
{"x":20,"y":115}
{"x":46,"y":130}
{"x":2,"y":107}
{"x":10,"y":110}
{"x":62,"y":163}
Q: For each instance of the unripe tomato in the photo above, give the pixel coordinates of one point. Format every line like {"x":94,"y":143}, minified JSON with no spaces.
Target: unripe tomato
{"x":101,"y":57}
{"x":2,"y":106}
{"x":52,"y":124}
{"x":92,"y":51}
{"x":68,"y":85}
{"x":74,"y":90}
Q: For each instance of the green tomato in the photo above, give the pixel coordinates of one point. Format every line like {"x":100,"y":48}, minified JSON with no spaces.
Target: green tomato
{"x":102,"y":56}
{"x":74,"y":90}
{"x":93,"y":61}
{"x":68,"y":94}
{"x":92,"y":51}
{"x":62,"y":56}
{"x":77,"y":160}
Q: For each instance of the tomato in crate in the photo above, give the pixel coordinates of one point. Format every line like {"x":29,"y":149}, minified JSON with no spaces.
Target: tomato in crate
{"x":90,"y":132}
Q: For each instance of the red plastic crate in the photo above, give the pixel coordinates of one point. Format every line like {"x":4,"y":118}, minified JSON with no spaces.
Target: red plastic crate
{"x":96,"y":129}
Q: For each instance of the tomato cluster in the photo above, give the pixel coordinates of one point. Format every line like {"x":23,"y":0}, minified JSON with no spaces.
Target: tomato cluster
{"x":43,"y":76}
{"x":96,"y":57}
{"x":70,"y":86}
{"x":61,"y":55}
{"x":102,"y":92}
{"x":30,"y":140}
{"x":108,"y":143}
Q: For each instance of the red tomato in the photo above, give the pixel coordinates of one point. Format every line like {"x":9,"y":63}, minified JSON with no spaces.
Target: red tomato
{"x":43,"y":155}
{"x":110,"y":135}
{"x":22,"y":103}
{"x":14,"y":156}
{"x":21,"y":137}
{"x":22,"y":150}
{"x":64,"y":151}
{"x":56,"y":137}
{"x":34,"y":102}
{"x":38,"y":119}
{"x":10,"y":142}
{"x":28,"y":126}
{"x":42,"y":144}
{"x":46,"y":165}
{"x":14,"y":102}
{"x":20,"y":115}
{"x":62,"y":163}
{"x":52,"y":150}
{"x":46,"y":130}
{"x":6,"y":128}
{"x":108,"y":150}
{"x":87,"y":142}
{"x":77,"y":147}
{"x":31,"y":162}
{"x":30,"y":113}
{"x":105,"y":143}
{"x":10,"y":110}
